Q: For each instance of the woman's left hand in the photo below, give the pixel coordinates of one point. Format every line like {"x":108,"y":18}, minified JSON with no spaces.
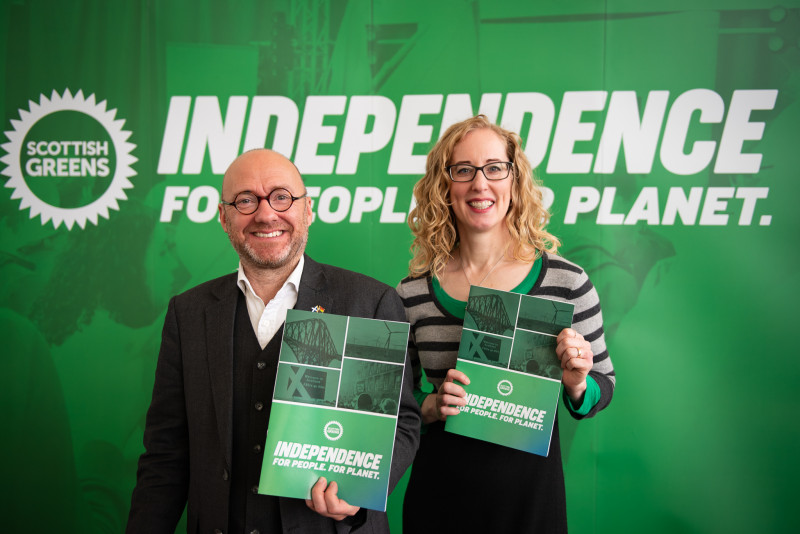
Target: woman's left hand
{"x":575,"y":354}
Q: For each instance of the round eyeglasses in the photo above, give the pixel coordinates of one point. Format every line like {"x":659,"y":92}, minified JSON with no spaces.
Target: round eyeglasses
{"x":279,"y":199}
{"x":461,"y":172}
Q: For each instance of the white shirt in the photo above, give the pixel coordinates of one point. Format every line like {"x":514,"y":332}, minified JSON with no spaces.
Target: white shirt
{"x":267,"y":319}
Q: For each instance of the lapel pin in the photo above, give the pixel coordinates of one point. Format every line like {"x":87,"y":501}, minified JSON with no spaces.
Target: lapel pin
{"x":318,"y":309}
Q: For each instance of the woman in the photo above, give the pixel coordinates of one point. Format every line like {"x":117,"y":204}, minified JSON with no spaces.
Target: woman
{"x":479,"y":220}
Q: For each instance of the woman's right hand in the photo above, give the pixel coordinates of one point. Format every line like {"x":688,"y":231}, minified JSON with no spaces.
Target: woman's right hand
{"x":437,"y":406}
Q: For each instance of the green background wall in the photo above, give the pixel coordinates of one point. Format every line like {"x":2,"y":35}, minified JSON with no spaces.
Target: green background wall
{"x":700,"y":436}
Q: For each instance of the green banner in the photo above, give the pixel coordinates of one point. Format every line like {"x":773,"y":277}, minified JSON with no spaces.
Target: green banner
{"x":665,"y":135}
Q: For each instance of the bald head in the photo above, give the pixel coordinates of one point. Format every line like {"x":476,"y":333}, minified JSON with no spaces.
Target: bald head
{"x":259,"y":165}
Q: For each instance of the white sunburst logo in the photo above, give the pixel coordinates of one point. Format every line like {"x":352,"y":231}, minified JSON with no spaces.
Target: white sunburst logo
{"x":68,"y":159}
{"x":333,"y":430}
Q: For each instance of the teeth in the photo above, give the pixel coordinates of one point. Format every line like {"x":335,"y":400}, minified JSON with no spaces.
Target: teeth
{"x":276,"y":233}
{"x":483,"y":204}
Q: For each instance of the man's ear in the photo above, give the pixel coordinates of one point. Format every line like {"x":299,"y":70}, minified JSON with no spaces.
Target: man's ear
{"x":222,"y":220}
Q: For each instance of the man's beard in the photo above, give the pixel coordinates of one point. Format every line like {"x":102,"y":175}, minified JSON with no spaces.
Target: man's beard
{"x":246,"y":252}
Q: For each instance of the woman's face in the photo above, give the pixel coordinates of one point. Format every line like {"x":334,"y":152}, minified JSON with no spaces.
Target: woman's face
{"x":480,"y":205}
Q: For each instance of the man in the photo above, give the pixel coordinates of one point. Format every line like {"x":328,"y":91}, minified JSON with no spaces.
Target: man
{"x":207,"y":422}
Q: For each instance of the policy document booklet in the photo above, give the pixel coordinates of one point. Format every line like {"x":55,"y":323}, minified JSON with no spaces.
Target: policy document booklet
{"x":334,"y":408}
{"x":508,"y":351}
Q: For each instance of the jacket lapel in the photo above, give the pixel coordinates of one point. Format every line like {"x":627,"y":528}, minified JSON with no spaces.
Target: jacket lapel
{"x":312,"y":288}
{"x":220,"y":318}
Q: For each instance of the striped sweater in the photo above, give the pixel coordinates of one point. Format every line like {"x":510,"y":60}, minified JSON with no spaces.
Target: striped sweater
{"x":435,"y":333}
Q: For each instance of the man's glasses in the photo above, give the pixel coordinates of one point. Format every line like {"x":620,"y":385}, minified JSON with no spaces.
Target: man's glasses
{"x":279,"y":199}
{"x":462,"y":172}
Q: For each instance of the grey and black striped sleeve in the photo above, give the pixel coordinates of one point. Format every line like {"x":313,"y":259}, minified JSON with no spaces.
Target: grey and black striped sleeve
{"x":434,"y":339}
{"x":567,"y":281}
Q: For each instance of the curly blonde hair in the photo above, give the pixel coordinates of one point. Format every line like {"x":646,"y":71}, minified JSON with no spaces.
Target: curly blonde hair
{"x":432,"y":220}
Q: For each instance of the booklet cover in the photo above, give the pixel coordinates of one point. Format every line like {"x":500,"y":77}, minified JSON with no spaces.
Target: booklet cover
{"x":508,"y":351}
{"x":334,"y":409}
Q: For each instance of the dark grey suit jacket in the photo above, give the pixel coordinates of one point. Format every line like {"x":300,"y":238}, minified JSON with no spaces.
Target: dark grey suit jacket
{"x":188,"y":434}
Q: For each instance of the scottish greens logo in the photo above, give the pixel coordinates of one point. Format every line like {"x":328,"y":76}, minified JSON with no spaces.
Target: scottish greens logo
{"x":333,"y":430}
{"x":68,"y":160}
{"x":505,"y":387}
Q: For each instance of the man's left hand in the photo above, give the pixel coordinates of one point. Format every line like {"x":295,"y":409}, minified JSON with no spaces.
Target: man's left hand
{"x":325,"y":502}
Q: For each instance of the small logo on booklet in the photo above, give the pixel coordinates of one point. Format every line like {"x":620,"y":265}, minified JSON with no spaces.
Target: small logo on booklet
{"x":333,"y":430}
{"x":505,"y":387}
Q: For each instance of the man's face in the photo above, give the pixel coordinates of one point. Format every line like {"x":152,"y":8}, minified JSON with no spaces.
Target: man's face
{"x":266,"y":239}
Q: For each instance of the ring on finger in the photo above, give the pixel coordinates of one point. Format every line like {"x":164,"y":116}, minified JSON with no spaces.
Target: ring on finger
{"x":579,"y":353}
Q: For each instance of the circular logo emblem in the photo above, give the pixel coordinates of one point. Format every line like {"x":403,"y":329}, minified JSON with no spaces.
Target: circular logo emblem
{"x":505,"y":387}
{"x":68,"y":160}
{"x":333,"y":430}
